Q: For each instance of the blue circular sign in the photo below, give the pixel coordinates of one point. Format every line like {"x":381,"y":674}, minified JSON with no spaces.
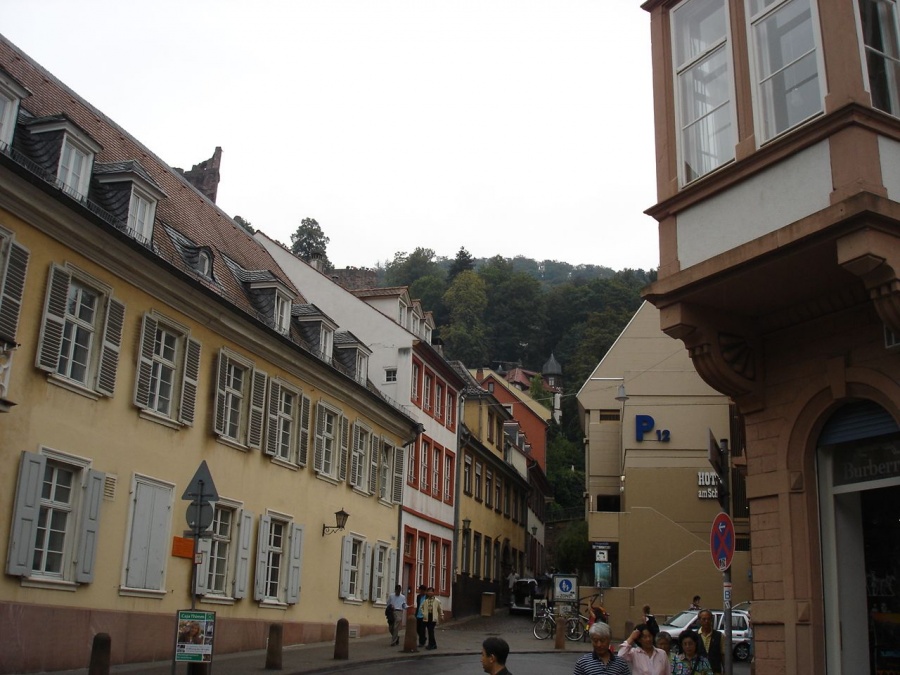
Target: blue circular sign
{"x":565,"y":586}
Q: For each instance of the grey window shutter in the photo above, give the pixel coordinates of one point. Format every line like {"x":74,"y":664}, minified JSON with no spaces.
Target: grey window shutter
{"x":189,"y":382}
{"x":262,"y":551}
{"x":374,"y":459}
{"x":355,"y":459}
{"x":346,"y":555}
{"x":367,"y":571}
{"x":345,"y":448}
{"x":54,"y":319}
{"x":109,"y":351}
{"x":242,"y":559}
{"x":145,"y":361}
{"x":295,"y":565}
{"x":25,"y":514}
{"x":272,"y":426}
{"x":221,"y":375}
{"x":392,"y":569}
{"x":399,"y":470}
{"x":303,"y":453}
{"x":201,"y":574}
{"x":89,"y":527}
{"x":257,"y":409}
{"x":13,"y":290}
{"x":319,"y":460}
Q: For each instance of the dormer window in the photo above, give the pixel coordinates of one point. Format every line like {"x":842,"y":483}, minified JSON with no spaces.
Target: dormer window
{"x":121,"y":185}
{"x":10,"y":95}
{"x":326,"y":341}
{"x":202,"y":265}
{"x":74,"y":167}
{"x":141,"y":212}
{"x":362,"y":366}
{"x":282,"y":313}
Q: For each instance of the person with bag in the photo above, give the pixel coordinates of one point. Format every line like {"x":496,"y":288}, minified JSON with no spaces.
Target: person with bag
{"x":397,"y":605}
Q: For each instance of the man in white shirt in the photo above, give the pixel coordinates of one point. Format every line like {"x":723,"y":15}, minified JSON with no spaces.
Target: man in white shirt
{"x":398,"y":602}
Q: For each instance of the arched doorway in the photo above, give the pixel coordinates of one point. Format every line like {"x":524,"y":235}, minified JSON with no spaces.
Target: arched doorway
{"x":859,"y":498}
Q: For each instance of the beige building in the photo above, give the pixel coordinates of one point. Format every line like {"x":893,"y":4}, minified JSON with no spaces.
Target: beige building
{"x":144,"y":333}
{"x":651,"y":494}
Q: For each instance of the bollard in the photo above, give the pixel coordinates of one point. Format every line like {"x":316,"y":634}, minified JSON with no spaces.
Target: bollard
{"x":273,"y":646}
{"x":100,"y":651}
{"x":560,"y":632}
{"x":410,"y":636}
{"x":342,"y":640}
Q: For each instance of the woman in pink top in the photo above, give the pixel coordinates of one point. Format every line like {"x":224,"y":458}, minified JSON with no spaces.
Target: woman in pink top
{"x":641,"y":655}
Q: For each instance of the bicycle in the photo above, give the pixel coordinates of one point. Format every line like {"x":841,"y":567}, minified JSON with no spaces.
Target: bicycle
{"x":544,"y":624}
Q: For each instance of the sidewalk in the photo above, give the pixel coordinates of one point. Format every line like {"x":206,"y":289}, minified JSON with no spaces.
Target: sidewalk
{"x":459,"y":636}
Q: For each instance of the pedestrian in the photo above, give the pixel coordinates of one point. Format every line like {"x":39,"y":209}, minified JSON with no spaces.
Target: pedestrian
{"x":641,"y":655}
{"x":433,"y":613}
{"x":494,"y":651}
{"x":397,"y":602}
{"x":664,"y":641}
{"x":420,"y":618}
{"x":650,"y":620}
{"x":689,"y":662}
{"x":712,"y":643}
{"x":601,"y":661}
{"x":511,"y":583}
{"x":695,"y":603}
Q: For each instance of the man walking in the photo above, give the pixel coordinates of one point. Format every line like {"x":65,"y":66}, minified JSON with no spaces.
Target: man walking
{"x":494,"y":651}
{"x":601,"y":661}
{"x":711,"y":644}
{"x":397,"y":601}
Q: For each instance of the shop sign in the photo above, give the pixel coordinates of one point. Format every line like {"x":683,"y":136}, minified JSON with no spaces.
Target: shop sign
{"x":861,"y":464}
{"x":708,"y":482}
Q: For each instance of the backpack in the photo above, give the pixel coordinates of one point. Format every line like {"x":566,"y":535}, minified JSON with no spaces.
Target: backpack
{"x":389,"y":613}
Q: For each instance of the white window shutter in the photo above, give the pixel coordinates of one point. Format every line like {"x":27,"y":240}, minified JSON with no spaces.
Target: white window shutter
{"x":148,"y":549}
{"x":346,"y":555}
{"x":13,"y":290}
{"x":262,"y":550}
{"x":145,"y":361}
{"x":374,"y":459}
{"x":392,"y":570}
{"x":399,"y":471}
{"x":109,"y":350}
{"x":89,"y":527}
{"x":319,"y":459}
{"x":367,"y":571}
{"x":242,"y":559}
{"x":257,"y":409}
{"x":303,"y":449}
{"x":201,"y":571}
{"x":345,"y":448}
{"x":355,"y":458}
{"x":295,"y":565}
{"x":25,"y":514}
{"x":221,"y":375}
{"x":189,"y":382}
{"x":272,"y":415}
{"x":50,"y":341}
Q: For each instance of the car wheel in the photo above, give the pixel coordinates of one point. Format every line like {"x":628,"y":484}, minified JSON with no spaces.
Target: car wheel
{"x":742,"y":652}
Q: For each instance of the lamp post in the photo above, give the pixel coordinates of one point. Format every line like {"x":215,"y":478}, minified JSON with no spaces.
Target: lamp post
{"x":340,"y":519}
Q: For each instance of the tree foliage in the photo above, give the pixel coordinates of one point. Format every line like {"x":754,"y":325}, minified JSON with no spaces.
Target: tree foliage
{"x":309,"y":239}
{"x":244,"y":225}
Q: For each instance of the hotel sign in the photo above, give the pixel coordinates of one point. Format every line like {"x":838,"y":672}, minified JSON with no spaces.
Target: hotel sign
{"x":708,"y":485}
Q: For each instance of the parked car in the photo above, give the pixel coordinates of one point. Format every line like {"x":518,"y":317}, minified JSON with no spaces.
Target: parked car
{"x":741,"y":628}
{"x":524,"y":593}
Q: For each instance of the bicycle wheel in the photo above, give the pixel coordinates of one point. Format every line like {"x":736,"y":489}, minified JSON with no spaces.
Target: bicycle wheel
{"x":543,"y":628}
{"x":574,"y":629}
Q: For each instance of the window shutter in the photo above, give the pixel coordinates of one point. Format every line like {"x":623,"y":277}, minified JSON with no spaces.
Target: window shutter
{"x":109,"y":352}
{"x":374,"y":459}
{"x":303,"y":452}
{"x":145,"y":361}
{"x":272,"y":426}
{"x":189,"y":382}
{"x":242,"y":561}
{"x":89,"y":528}
{"x":346,"y":555}
{"x":355,"y":459}
{"x":262,"y":550}
{"x":25,"y":514}
{"x":201,"y":573}
{"x":392,"y":569}
{"x":13,"y":290}
{"x":257,"y":409}
{"x":295,"y":565}
{"x":221,"y":376}
{"x":367,"y":571}
{"x":399,"y":469}
{"x":54,"y":319}
{"x":319,"y":459}
{"x":345,"y":447}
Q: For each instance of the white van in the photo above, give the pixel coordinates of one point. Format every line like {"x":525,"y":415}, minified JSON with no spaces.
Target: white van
{"x":741,"y":628}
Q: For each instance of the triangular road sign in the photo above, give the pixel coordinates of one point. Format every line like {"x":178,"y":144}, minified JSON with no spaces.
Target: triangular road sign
{"x":201,"y":488}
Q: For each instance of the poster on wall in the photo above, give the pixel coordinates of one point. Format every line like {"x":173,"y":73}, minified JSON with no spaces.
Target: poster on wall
{"x":603,"y":574}
{"x":194,"y":636}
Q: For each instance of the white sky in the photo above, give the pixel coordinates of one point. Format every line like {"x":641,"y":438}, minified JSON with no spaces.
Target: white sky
{"x":512,"y":127}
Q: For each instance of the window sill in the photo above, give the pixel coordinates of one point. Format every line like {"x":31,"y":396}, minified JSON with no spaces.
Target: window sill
{"x":273,"y":604}
{"x":158,"y":418}
{"x":327,"y":478}
{"x":287,"y":464}
{"x":49,"y":584}
{"x":232,"y":443}
{"x":73,"y":386}
{"x":217,"y":600}
{"x":141,"y":593}
{"x":353,"y":601}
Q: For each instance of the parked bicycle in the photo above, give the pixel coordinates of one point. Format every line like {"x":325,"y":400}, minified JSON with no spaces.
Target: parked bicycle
{"x":544,"y":624}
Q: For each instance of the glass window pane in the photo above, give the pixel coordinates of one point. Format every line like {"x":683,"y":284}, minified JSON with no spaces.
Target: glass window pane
{"x":698,"y":26}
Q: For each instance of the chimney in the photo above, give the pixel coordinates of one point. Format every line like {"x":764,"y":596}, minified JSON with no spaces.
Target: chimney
{"x":479,"y":375}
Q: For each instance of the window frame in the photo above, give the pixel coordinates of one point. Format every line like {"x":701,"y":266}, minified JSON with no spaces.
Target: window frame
{"x":891,"y":85}
{"x":240,"y":413}
{"x":328,"y":443}
{"x":287,"y":559}
{"x":141,"y":229}
{"x":76,"y":146}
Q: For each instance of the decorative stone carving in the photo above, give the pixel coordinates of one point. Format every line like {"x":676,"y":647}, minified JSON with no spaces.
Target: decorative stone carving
{"x":874,"y":256}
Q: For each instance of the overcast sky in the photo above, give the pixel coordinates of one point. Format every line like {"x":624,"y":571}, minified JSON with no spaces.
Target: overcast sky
{"x":512,"y":127}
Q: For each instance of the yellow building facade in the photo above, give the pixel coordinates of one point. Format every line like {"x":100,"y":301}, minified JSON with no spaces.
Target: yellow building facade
{"x":135,"y":349}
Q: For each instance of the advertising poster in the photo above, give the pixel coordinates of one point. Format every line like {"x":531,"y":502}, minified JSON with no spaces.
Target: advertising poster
{"x":194,"y":637}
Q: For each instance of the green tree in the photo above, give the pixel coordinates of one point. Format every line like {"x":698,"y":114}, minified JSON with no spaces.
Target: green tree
{"x":244,"y":225}
{"x":461,"y":263}
{"x":310,"y":239}
{"x":539,"y":394}
{"x":464,"y":336}
{"x":405,"y":268}
{"x":573,"y":550}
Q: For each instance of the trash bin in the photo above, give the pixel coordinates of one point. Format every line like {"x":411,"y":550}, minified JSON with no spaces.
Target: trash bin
{"x":488,"y":603}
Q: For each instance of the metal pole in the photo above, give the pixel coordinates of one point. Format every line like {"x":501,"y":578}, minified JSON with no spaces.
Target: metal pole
{"x":199,"y":503}
{"x":726,"y":575}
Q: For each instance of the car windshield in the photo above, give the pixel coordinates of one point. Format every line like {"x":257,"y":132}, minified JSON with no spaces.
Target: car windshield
{"x":681,"y":620}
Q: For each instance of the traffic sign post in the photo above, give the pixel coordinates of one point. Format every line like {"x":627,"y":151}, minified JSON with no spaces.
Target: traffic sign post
{"x":199,"y":492}
{"x":721,"y":541}
{"x":721,"y":536}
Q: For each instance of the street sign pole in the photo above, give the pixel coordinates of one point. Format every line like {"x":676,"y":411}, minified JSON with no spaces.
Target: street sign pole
{"x":725,"y":486}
